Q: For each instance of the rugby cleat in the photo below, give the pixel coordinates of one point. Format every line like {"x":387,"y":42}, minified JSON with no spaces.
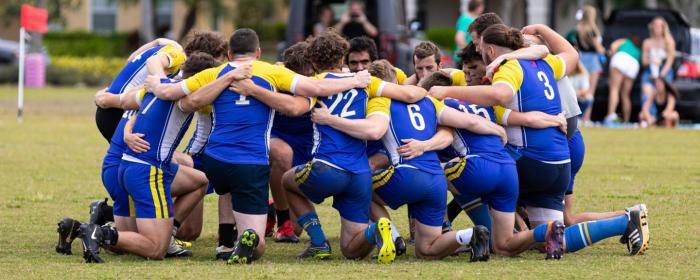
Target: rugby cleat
{"x":92,"y":237}
{"x":322,"y":252}
{"x":400,"y":246}
{"x":554,"y":240}
{"x":101,"y":212}
{"x":642,"y":208}
{"x":223,"y":253}
{"x":183,"y":244}
{"x":243,"y":251}
{"x":386,"y":250}
{"x":480,"y":244}
{"x":175,"y":250}
{"x":285,"y":233}
{"x":637,"y":233}
{"x":68,"y":230}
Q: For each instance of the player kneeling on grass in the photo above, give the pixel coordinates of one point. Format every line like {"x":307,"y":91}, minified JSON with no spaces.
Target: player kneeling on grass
{"x":417,"y":180}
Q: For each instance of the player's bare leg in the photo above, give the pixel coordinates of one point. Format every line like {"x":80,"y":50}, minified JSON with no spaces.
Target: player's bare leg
{"x":431,"y":244}
{"x":571,"y":219}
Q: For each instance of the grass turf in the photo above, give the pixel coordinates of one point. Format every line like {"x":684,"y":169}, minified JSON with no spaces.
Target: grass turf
{"x":50,"y":168}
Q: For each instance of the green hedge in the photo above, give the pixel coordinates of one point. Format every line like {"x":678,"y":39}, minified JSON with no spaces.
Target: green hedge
{"x":84,"y":44}
{"x":442,"y":36}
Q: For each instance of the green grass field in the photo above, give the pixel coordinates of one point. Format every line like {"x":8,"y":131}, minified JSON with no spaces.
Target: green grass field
{"x":50,"y":168}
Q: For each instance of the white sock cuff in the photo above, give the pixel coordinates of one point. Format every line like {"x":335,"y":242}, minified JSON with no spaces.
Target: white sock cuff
{"x":394,"y":232}
{"x":464,"y":236}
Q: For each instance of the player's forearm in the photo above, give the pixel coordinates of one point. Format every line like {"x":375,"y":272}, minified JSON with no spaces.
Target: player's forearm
{"x":529,"y":53}
{"x":442,"y":139}
{"x":129,"y":126}
{"x":155,"y":66}
{"x":325,"y":87}
{"x":104,"y":99}
{"x":168,"y":91}
{"x":359,"y":128}
{"x":412,"y":80}
{"x":481,"y":95}
{"x":285,"y":104}
{"x":533,"y":119}
{"x":559,"y":46}
{"x":204,"y":95}
{"x":143,"y":49}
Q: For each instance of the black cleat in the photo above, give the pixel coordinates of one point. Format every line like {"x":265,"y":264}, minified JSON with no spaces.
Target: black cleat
{"x":223,"y":253}
{"x":637,"y":233}
{"x":68,"y":230}
{"x":101,"y":212}
{"x":243,"y":251}
{"x":480,"y":244}
{"x":91,"y":235}
{"x":322,"y":252}
{"x":554,"y":240}
{"x":175,"y":250}
{"x":400,"y":246}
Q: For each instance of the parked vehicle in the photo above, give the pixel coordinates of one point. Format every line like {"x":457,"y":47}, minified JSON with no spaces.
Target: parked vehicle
{"x":387,"y":15}
{"x":623,"y":22}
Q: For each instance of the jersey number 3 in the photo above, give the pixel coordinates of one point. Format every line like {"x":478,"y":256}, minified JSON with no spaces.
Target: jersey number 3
{"x":548,"y":91}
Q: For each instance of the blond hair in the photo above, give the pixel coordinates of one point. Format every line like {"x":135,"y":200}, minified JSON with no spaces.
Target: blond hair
{"x":383,"y":69}
{"x":668,"y":38}
{"x":586,"y":29}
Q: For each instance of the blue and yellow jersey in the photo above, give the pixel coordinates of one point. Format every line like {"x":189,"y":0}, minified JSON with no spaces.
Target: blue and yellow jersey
{"x":467,"y":143}
{"x":334,"y":147}
{"x":117,"y":147}
{"x":534,"y":85}
{"x":288,"y":125}
{"x":201,"y":132}
{"x":163,"y":125}
{"x":400,"y":75}
{"x":458,"y":78}
{"x":135,"y":72}
{"x":241,"y":132}
{"x":409,"y":121}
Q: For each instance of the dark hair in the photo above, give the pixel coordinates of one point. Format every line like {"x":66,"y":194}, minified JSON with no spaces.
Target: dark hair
{"x":469,"y":54}
{"x":484,"y":21}
{"x":425,"y":49}
{"x":503,"y":36}
{"x":243,"y":41}
{"x":196,"y":62}
{"x":294,"y":58}
{"x":474,"y":4}
{"x":207,"y":42}
{"x":437,"y":78}
{"x":363,"y":44}
{"x":384,"y":70}
{"x":327,"y":50}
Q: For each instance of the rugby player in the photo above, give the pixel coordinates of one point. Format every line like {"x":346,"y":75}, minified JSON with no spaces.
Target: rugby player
{"x":542,"y":157}
{"x":426,"y":60}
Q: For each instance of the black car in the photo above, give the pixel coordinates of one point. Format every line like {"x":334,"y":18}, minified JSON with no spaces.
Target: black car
{"x":387,"y":15}
{"x":622,"y":23}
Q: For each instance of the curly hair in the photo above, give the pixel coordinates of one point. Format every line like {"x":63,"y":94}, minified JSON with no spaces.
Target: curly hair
{"x":294,"y":58}
{"x":327,"y":50}
{"x":384,"y":70}
{"x":426,"y":49}
{"x":363,"y":44}
{"x":207,"y":42}
{"x":469,"y":54}
{"x":196,"y":62}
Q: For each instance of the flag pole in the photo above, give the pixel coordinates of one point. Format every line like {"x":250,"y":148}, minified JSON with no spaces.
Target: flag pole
{"x":20,"y":95}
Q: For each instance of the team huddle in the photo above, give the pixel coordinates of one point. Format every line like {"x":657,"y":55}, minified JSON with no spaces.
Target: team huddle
{"x":333,"y":120}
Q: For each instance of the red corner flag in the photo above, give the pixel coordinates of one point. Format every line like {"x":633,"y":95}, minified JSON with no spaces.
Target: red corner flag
{"x":34,"y":19}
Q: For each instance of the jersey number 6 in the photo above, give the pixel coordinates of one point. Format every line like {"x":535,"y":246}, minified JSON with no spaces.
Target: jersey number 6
{"x":416,"y":118}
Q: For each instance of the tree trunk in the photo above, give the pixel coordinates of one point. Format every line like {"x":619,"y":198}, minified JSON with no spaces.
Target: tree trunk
{"x":146,"y":31}
{"x":190,"y":20}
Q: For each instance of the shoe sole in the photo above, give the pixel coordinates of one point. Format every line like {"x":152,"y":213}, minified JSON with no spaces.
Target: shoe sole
{"x":484,"y":255}
{"x":183,"y":244}
{"x":387,"y":253}
{"x":287,"y":240}
{"x":64,"y":244}
{"x":248,"y":240}
{"x":644,"y":223}
{"x":559,"y":231}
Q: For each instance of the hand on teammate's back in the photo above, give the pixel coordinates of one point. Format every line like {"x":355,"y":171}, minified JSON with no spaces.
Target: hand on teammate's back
{"x":531,"y":29}
{"x":151,"y":82}
{"x":363,"y":79}
{"x":562,"y":122}
{"x":243,"y":87}
{"x":411,"y":149}
{"x":242,"y":72}
{"x":439,"y":92}
{"x":321,"y":115}
{"x":136,"y":143}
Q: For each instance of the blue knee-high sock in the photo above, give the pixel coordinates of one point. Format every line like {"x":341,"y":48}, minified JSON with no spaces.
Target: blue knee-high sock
{"x":312,"y":225}
{"x":585,"y":234}
{"x":540,"y":232}
{"x":480,"y":216}
{"x":369,"y":234}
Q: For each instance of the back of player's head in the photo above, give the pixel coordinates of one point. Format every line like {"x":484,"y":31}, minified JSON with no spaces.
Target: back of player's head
{"x":503,"y":36}
{"x":384,"y":70}
{"x":243,"y":41}
{"x":484,"y":21}
{"x":474,"y":5}
{"x":196,"y":62}
{"x":437,"y":78}
{"x":470,"y":54}
{"x":207,"y":42}
{"x":425,"y":49}
{"x":327,"y":50}
{"x":294,"y":58}
{"x":364,"y":44}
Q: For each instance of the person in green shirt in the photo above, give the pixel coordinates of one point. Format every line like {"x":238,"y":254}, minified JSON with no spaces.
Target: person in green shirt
{"x":624,"y":67}
{"x":462,"y":37}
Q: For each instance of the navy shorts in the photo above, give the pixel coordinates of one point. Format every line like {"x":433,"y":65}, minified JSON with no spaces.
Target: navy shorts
{"x":542,"y":184}
{"x":123,"y":206}
{"x":577,"y":151}
{"x":375,"y":147}
{"x":301,"y":146}
{"x":149,"y":187}
{"x":425,"y":193}
{"x":247,"y":183}
{"x":197,"y":164}
{"x":352,"y":193}
{"x":495,"y":183}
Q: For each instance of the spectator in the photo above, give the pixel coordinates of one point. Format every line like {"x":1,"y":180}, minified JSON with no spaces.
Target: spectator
{"x":462,"y":37}
{"x":354,"y":23}
{"x":624,"y":67}
{"x":580,"y":81}
{"x":588,"y":42}
{"x":325,"y":20}
{"x":658,"y":54}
